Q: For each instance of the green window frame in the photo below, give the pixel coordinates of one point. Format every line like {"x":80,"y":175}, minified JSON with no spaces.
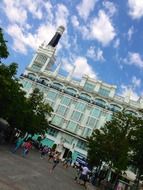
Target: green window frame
{"x":66,"y":100}
{"x":57,"y":120}
{"x":91,"y":122}
{"x":61,"y":110}
{"x":80,"y":106}
{"x":53,"y":132}
{"x":41,"y":59}
{"x":95,"y":112}
{"x":89,"y":87}
{"x":82,"y":145}
{"x":72,"y":126}
{"x":76,"y":116}
{"x":104,"y":92}
{"x":52,"y":95}
{"x":87,"y":132}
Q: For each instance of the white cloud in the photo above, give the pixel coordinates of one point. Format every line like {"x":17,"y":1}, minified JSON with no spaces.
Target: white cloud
{"x":134,"y":59}
{"x":19,"y":25}
{"x":62,"y":14}
{"x":15,"y":12}
{"x":135,"y":8}
{"x":130,"y":32}
{"x":96,"y":55}
{"x":34,"y":7}
{"x":18,"y":38}
{"x":81,"y":67}
{"x":75,"y":21}
{"x":101,"y":29}
{"x":116,"y":43}
{"x":136,"y":82}
{"x":23,"y":40}
{"x":128,"y":91}
{"x":85,"y":8}
{"x":111,"y":8}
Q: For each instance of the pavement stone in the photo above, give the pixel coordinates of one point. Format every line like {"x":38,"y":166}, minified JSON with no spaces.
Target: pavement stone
{"x":32,"y":173}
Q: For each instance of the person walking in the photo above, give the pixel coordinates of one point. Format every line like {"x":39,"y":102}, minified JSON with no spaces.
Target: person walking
{"x":26,"y":148}
{"x":18,"y":144}
{"x":67,"y":162}
{"x":44,"y":151}
{"x":84,"y":174}
{"x":78,"y":173}
{"x":56,"y":160}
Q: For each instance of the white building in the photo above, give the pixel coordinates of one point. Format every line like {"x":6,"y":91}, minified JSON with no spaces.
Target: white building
{"x":79,"y":106}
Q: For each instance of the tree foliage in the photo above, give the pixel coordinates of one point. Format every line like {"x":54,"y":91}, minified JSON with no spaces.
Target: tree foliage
{"x":111,"y":143}
{"x":136,"y":154}
{"x":3,"y":47}
{"x":27,"y":114}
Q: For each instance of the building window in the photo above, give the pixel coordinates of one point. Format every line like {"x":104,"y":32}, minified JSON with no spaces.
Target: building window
{"x":91,"y":122}
{"x":41,"y":59}
{"x":31,"y":76}
{"x":93,"y":117}
{"x":76,"y":116}
{"x":63,"y":107}
{"x":95,"y":112}
{"x":131,"y":112}
{"x":70,"y":91}
{"x":89,"y":87}
{"x":66,"y":100}
{"x":115,"y":108}
{"x":80,"y":106}
{"x":53,"y":132}
{"x":57,"y":86}
{"x":51,"y":95}
{"x":108,"y":117}
{"x":85,"y":97}
{"x":100,"y":102}
{"x":43,"y":81}
{"x":27,"y":85}
{"x":81,"y":144}
{"x":61,"y":110}
{"x":104,"y":92}
{"x":36,"y":67}
{"x":87,"y":132}
{"x":72,"y":126}
{"x":57,"y":120}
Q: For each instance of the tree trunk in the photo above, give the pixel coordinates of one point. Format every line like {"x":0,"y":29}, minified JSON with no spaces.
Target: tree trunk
{"x":116,"y":180}
{"x":138,"y":180}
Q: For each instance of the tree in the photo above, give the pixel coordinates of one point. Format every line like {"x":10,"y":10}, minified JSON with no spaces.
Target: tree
{"x":136,"y":155}
{"x":11,"y":95}
{"x":38,"y":113}
{"x":3,"y":47}
{"x":28,"y":115}
{"x":111,"y":143}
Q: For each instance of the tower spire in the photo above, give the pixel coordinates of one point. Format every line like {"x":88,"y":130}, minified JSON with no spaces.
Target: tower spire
{"x":45,"y":55}
{"x":54,"y":41}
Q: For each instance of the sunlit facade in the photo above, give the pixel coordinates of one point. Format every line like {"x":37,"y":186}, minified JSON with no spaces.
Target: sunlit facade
{"x":79,"y":106}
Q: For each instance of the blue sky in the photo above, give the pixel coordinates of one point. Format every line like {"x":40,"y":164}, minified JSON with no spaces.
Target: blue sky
{"x":103,"y":38}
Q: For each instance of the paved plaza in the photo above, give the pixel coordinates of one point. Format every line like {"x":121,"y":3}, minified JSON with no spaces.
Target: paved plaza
{"x":32,"y":173}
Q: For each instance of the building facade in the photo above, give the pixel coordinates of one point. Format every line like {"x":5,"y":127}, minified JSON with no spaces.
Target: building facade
{"x":79,"y":106}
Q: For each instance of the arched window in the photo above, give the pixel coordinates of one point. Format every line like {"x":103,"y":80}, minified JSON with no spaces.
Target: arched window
{"x":100,"y":102}
{"x":41,"y":59}
{"x":71,"y":91}
{"x":57,"y":85}
{"x":44,"y":80}
{"x":130,"y":112}
{"x":115,"y":108}
{"x":85,"y":97}
{"x":31,"y":76}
